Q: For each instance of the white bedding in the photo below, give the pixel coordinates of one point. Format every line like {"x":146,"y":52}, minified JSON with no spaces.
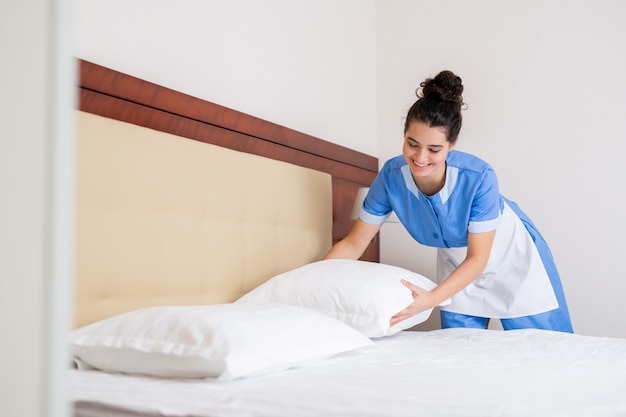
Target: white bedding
{"x":454,"y":372}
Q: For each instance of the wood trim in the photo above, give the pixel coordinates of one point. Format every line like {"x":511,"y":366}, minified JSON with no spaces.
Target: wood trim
{"x":128,"y":88}
{"x":119,"y":96}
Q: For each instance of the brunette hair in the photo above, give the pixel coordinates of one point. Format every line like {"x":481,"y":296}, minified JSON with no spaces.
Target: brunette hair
{"x":439,"y":104}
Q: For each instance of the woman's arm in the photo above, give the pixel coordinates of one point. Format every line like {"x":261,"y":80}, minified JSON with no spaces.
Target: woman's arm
{"x":354,"y":244}
{"x":478,"y":251}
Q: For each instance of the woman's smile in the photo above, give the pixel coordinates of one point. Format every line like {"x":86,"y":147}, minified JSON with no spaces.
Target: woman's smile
{"x":420,"y":166}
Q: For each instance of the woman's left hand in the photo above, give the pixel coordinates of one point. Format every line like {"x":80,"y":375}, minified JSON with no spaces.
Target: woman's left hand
{"x":421,"y":302}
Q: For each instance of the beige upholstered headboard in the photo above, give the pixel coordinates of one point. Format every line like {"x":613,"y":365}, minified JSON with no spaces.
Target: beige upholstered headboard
{"x":163,"y":220}
{"x":182,"y":201}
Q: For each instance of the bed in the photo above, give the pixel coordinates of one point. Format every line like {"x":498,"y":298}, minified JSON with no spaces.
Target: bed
{"x":188,"y":210}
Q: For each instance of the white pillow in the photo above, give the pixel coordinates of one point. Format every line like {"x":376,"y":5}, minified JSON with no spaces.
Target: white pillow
{"x":223,"y":340}
{"x":364,"y":295}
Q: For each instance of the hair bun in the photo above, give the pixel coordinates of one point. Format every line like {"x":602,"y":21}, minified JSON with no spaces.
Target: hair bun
{"x":445,"y":86}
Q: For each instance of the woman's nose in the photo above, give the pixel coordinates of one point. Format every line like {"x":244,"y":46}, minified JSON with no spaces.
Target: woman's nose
{"x":422,"y":155}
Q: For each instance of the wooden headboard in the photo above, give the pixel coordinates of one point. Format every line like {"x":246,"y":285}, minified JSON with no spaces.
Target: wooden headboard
{"x":112,"y":94}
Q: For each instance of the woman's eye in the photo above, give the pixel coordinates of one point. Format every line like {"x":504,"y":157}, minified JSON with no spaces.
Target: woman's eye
{"x":434,"y":150}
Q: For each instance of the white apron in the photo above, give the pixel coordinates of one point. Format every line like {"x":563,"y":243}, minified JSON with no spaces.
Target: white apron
{"x":514,"y":283}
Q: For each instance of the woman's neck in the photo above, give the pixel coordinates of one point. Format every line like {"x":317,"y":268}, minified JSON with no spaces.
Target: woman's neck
{"x":432,"y":184}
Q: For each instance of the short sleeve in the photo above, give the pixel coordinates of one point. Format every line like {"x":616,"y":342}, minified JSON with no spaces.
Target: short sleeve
{"x":376,"y":206}
{"x":487,"y":204}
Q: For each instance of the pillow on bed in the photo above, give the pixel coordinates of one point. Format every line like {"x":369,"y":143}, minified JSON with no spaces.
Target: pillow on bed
{"x":364,"y":295}
{"x":223,"y":340}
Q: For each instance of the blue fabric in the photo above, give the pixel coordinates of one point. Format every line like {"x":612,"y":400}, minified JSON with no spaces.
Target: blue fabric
{"x":451,"y":320}
{"x":550,"y":320}
{"x":469,"y":201}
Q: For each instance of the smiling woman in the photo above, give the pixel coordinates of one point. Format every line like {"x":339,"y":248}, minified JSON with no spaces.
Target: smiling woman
{"x":450,"y":200}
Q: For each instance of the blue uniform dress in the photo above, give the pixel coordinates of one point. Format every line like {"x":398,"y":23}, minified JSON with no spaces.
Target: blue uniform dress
{"x":520,"y":285}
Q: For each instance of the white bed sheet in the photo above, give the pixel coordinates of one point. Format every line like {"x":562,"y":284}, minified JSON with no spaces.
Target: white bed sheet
{"x":453,"y":372}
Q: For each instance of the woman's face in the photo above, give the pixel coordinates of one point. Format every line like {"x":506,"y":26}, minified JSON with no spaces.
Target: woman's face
{"x":425,"y":150}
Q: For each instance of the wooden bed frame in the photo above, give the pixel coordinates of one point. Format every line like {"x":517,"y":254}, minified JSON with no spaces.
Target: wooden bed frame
{"x":115,"y":95}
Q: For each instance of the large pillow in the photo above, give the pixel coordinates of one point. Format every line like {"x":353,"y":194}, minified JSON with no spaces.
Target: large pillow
{"x":226,"y":341}
{"x":364,"y":295}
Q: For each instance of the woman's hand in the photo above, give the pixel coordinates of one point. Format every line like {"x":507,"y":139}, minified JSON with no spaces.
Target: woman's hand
{"x":422,"y":300}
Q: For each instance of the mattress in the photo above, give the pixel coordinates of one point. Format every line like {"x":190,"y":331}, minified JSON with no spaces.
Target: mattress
{"x":451,"y":372}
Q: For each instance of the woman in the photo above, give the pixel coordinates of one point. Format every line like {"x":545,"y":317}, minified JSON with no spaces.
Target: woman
{"x":492,"y":261}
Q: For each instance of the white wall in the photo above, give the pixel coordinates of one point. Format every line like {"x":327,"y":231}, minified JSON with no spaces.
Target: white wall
{"x":543,"y":82}
{"x":36,"y":150}
{"x":307,"y":65}
{"x":545,"y":86}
